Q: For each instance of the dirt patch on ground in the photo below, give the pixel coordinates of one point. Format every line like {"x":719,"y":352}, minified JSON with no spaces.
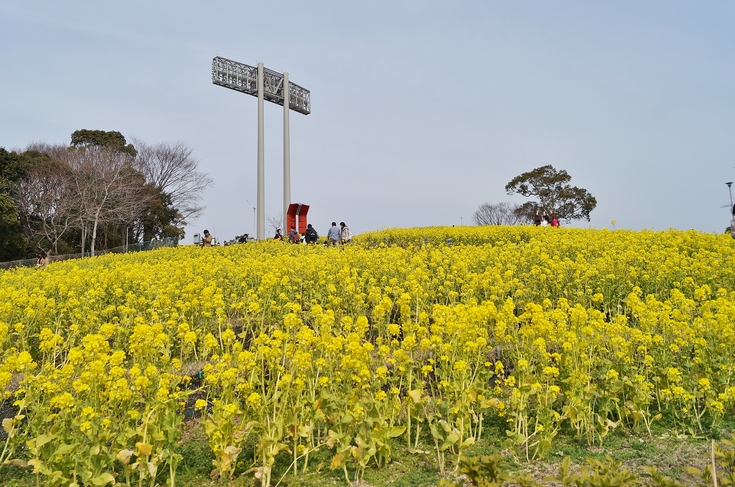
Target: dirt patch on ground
{"x":193,"y":431}
{"x":670,"y":454}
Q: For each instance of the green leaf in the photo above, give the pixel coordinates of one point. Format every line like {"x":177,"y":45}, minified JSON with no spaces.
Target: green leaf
{"x":65,"y":449}
{"x":452,"y":438}
{"x":357,"y":453}
{"x":338,"y":460}
{"x":39,"y":466}
{"x":468,"y":442}
{"x":335,"y":435}
{"x":41,"y":440}
{"x":251,"y":425}
{"x":565,"y":465}
{"x":396,"y":431}
{"x":103,"y":479}
{"x":415,"y":395}
{"x":305,"y":431}
{"x":347,"y":418}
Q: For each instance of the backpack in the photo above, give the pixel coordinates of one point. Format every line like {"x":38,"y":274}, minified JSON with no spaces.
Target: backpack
{"x":295,"y":238}
{"x":311,"y":233}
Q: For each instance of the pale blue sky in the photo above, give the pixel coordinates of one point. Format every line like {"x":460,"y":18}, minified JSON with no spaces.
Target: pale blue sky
{"x":421,"y":110}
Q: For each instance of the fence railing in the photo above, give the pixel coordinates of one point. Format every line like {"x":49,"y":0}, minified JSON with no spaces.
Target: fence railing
{"x":133,"y":247}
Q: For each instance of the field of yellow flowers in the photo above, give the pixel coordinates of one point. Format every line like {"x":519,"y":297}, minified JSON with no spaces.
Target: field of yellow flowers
{"x":419,"y":339}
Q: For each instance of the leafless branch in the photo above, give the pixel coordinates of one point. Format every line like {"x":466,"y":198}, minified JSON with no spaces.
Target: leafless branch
{"x":172,"y":169}
{"x":496,"y":214}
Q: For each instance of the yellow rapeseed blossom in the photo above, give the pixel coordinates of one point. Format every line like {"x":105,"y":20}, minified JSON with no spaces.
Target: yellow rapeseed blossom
{"x":537,"y":327}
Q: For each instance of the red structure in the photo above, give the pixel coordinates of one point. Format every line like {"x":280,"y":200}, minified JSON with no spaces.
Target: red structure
{"x":296,"y":217}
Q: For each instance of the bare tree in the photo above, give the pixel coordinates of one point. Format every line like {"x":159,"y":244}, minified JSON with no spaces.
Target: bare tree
{"x":277,"y":222}
{"x":45,"y":199}
{"x":109,"y":193}
{"x":55,"y":151}
{"x":171,"y":169}
{"x":109,"y":189}
{"x":497,"y":214}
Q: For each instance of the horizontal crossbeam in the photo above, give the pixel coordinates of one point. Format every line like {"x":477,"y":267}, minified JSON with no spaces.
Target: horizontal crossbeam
{"x":244,"y":78}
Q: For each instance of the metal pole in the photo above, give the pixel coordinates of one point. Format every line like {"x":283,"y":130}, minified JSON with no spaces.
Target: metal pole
{"x":286,"y":150}
{"x":729,"y":189}
{"x":261,"y":158}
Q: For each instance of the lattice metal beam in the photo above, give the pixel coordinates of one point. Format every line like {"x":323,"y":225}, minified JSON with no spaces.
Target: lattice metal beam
{"x":243,"y":78}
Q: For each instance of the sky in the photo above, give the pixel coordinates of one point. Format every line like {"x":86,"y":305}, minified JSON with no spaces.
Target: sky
{"x":422,"y":110}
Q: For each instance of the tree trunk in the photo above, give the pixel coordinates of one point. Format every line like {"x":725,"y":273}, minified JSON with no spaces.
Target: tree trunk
{"x":94,"y":237}
{"x":84,"y":236}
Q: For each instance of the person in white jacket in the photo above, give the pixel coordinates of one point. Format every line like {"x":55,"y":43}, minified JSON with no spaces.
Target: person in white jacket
{"x":344,"y":235}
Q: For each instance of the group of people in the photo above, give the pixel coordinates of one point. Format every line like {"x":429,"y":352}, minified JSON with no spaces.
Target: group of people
{"x":335,"y":235}
{"x":207,"y":240}
{"x":545,"y":219}
{"x":341,"y":235}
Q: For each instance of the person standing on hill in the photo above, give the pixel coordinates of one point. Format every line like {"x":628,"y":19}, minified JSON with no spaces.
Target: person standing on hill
{"x":207,"y":239}
{"x":333,"y":235}
{"x":344,"y":235}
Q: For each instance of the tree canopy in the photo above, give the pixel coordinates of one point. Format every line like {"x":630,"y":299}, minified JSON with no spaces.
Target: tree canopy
{"x":553,"y":192}
{"x":12,"y":241}
{"x":99,"y":138}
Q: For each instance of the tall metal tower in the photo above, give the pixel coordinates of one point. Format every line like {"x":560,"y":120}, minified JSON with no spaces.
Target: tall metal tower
{"x":273,"y":87}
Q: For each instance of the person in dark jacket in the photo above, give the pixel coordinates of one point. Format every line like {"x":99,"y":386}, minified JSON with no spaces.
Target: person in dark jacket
{"x":311,"y":235}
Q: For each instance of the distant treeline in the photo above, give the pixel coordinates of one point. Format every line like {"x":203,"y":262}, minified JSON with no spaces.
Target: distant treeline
{"x":97,"y":193}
